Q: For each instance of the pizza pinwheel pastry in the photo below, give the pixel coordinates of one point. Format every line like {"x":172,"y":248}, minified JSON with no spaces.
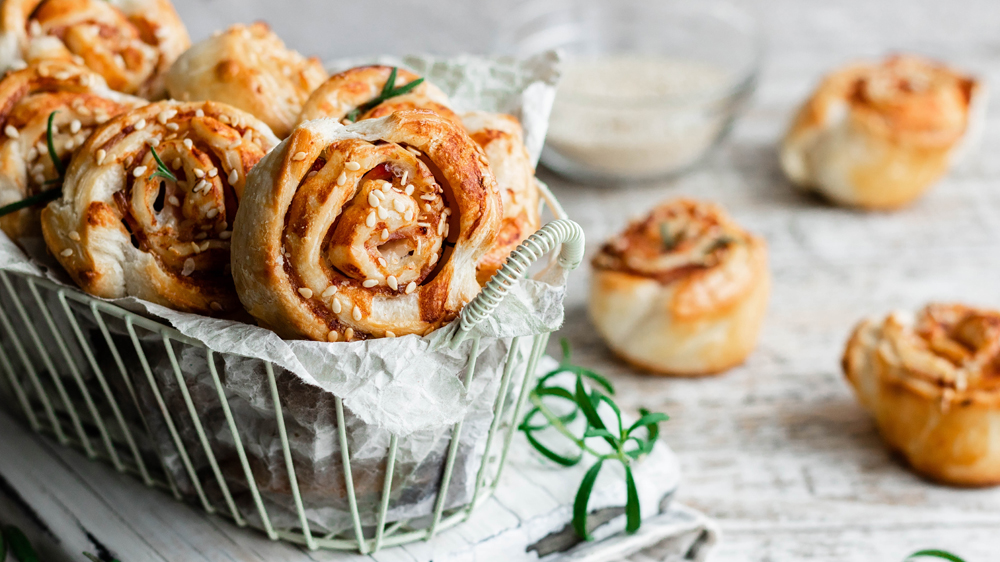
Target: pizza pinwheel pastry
{"x":878,"y":135}
{"x":682,"y":291}
{"x":932,"y":382}
{"x":365,"y":231}
{"x":53,"y":102}
{"x":131,"y":43}
{"x":149,"y":201}
{"x":249,"y":67}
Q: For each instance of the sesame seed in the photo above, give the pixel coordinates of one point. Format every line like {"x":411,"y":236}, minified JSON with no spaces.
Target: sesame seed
{"x":333,"y":336}
{"x":66,"y":253}
{"x":306,"y":292}
{"x":382,"y":213}
{"x":74,"y":236}
{"x":428,"y":197}
{"x":70,"y":144}
{"x":336,"y":307}
{"x":392,"y":282}
{"x":385,"y":234}
{"x":225,"y":235}
{"x":212,"y":213}
{"x":176,"y":164}
{"x":215,"y":306}
{"x":408,"y":216}
{"x":201,"y":185}
{"x":381,"y":261}
{"x":199,"y":172}
{"x":199,"y":113}
{"x":353,"y":166}
{"x":204,"y":245}
{"x":342,"y":178}
{"x":120,"y":60}
{"x":311,"y":174}
{"x":370,"y":221}
{"x":424,"y":224}
{"x":188,"y":144}
{"x":403,"y":179}
{"x":101,"y":154}
{"x":140,"y":125}
{"x":173,"y":126}
{"x":329,"y":292}
{"x":235,"y":144}
{"x":154,"y":142}
{"x":409,"y":189}
{"x":389,"y":334}
{"x":399,"y":206}
{"x":349,"y":333}
{"x":357,"y":313}
{"x":213,"y":172}
{"x":386,"y":187}
{"x":412,"y":286}
{"x":139,"y":171}
{"x":369,"y":283}
{"x":373,"y":200}
{"x":32,"y":154}
{"x":188,"y":267}
{"x":74,"y":126}
{"x":234,"y":177}
{"x":224,"y":118}
{"x":174,"y":200}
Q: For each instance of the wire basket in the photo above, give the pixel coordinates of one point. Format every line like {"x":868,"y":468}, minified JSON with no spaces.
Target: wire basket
{"x":76,"y":366}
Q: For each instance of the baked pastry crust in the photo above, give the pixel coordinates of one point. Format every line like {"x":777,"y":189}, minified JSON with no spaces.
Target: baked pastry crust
{"x":878,"y":135}
{"x":248,"y":67}
{"x":354,"y":87}
{"x":131,"y":43}
{"x":353,"y":251}
{"x":81,"y":101}
{"x":119,"y":231}
{"x":502,"y":139}
{"x":932,"y":382}
{"x":682,"y":291}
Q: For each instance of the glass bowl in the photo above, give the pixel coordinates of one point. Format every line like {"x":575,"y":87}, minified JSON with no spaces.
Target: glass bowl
{"x":648,"y":87}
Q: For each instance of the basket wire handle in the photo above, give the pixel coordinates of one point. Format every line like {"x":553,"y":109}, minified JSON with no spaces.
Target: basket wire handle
{"x":561,"y":231}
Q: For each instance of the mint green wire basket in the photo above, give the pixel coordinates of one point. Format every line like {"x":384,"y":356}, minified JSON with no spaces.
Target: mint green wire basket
{"x":68,"y":382}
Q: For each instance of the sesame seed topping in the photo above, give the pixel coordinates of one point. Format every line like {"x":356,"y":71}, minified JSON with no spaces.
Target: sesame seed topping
{"x":381,"y":261}
{"x":176,"y":164}
{"x":399,"y":206}
{"x":299,"y":156}
{"x":369,"y":283}
{"x":215,"y":306}
{"x":201,"y":185}
{"x":357,"y":313}
{"x":349,"y":333}
{"x":188,"y":267}
{"x":120,"y":60}
{"x":235,"y":144}
{"x":329,"y":292}
{"x":428,"y":197}
{"x":385,"y":234}
{"x":225,"y":235}
{"x":234,"y":177}
{"x":382,"y":213}
{"x":408,"y":216}
{"x":392,"y":282}
{"x":199,"y":113}
{"x":173,"y":126}
{"x":140,"y":125}
{"x":403,"y":179}
{"x":188,"y":144}
{"x":74,"y":236}
{"x":199,"y":172}
{"x":139,"y":171}
{"x":370,"y":221}
{"x":70,"y":144}
{"x":336,"y":307}
{"x":213,"y":172}
{"x":174,"y":200}
{"x":31,"y":155}
{"x":333,"y":336}
{"x":306,"y":292}
{"x":212,"y":213}
{"x":224,"y":118}
{"x":154,"y":142}
{"x":409,"y":189}
{"x":373,"y":200}
{"x":311,"y":174}
{"x":74,"y":126}
{"x":412,"y":286}
{"x":204,"y":245}
{"x":66,"y":253}
{"x":353,"y":166}
{"x":101,"y":154}
{"x":342,"y":178}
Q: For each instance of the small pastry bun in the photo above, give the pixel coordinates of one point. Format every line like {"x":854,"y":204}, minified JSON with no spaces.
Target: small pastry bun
{"x":933,"y":384}
{"x":682,"y":291}
{"x":878,"y":135}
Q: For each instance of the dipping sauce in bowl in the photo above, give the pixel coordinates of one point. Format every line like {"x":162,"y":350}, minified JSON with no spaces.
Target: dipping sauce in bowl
{"x":647,"y":89}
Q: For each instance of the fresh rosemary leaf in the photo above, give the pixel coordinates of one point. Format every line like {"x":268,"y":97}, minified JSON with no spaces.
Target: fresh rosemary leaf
{"x":162,"y":170}
{"x":552,"y":455}
{"x":564,"y":343}
{"x":91,"y":557}
{"x":583,"y":498}
{"x":390,"y":83}
{"x":594,"y":432}
{"x":934,"y":553}
{"x":56,"y":161}
{"x":3,"y":548}
{"x":647,"y":420}
{"x":633,"y":512}
{"x":36,"y":199}
{"x":19,"y":545}
{"x":584,"y":401}
{"x":388,"y":91}
{"x":590,"y":375}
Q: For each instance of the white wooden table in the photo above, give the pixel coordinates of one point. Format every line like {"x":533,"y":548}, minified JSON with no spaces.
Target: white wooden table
{"x":778,"y":451}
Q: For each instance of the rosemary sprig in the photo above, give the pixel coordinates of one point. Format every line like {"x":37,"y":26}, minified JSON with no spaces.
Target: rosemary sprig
{"x":19,"y":545}
{"x":388,"y":91}
{"x":617,"y":437}
{"x":934,"y":553}
{"x":48,"y":194}
{"x":161,"y":169}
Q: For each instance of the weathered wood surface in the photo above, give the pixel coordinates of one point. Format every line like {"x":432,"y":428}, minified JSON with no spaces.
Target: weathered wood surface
{"x":778,"y":451}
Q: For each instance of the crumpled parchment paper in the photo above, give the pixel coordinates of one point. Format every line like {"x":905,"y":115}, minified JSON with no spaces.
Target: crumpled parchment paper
{"x":409,"y":387}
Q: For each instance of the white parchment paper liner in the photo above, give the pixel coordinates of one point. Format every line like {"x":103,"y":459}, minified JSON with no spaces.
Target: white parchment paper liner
{"x":410,"y":387}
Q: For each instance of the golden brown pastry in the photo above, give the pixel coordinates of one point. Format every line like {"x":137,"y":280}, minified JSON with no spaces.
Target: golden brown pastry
{"x":123,"y":229}
{"x":877,"y":135}
{"x":131,"y":43}
{"x":503,"y":141}
{"x":249,"y":67}
{"x":370,"y":230}
{"x":682,"y":291}
{"x":80,"y":100}
{"x":933,"y":384}
{"x":351,"y":89}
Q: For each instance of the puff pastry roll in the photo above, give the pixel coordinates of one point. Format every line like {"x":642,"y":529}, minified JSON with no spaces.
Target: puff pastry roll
{"x":126,"y":226}
{"x":365,"y":231}
{"x":877,"y":135}
{"x":350,"y":91}
{"x":80,"y":100}
{"x":682,"y":291}
{"x":131,"y":43}
{"x":932,"y":382}
{"x":249,"y":67}
{"x":502,"y":139}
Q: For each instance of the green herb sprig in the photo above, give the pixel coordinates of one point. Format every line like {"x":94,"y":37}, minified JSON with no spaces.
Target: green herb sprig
{"x":627,"y":444}
{"x":934,"y":553}
{"x":162,"y":171}
{"x":49,"y":194}
{"x":388,"y":91}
